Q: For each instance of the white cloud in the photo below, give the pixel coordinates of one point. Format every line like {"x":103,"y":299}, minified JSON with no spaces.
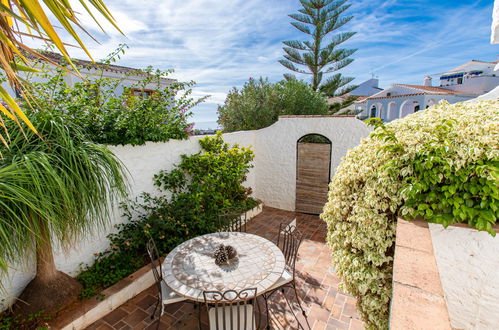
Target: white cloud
{"x":220,"y":44}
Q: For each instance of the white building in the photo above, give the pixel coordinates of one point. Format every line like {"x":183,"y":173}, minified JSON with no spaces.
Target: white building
{"x":363,"y":90}
{"x":89,"y":70}
{"x":465,"y":82}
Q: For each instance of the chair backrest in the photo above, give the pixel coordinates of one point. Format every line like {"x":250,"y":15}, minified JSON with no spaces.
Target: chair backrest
{"x":157,"y":271}
{"x":233,"y":220}
{"x":231,"y":310}
{"x":289,"y":241}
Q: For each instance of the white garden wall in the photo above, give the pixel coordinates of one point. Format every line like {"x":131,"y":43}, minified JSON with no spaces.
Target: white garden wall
{"x":275,"y":146}
{"x":467,"y":261}
{"x":272,"y":179}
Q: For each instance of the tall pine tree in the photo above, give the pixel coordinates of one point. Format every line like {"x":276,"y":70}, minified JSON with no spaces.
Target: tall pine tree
{"x":318,"y":56}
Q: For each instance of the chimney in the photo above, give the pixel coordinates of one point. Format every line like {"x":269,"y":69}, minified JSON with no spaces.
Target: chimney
{"x":427,"y":81}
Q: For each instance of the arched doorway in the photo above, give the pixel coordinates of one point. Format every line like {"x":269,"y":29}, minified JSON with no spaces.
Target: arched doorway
{"x":409,"y":107}
{"x":313,"y":167}
{"x":430,"y":103}
{"x":376,"y":110}
{"x":392,"y":111}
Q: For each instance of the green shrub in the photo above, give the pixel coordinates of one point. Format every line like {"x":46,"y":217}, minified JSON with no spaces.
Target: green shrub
{"x":259,"y":104}
{"x":440,"y":164}
{"x":37,"y":321}
{"x":117,"y":119}
{"x":193,"y":194}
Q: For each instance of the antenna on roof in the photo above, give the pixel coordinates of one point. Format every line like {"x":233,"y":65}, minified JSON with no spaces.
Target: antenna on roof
{"x":373,"y":76}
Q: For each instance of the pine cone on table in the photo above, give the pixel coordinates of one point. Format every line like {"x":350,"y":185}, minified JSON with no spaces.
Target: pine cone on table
{"x":231,"y":252}
{"x":223,"y":254}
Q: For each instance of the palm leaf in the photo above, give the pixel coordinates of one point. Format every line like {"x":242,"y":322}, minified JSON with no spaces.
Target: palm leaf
{"x":61,"y":182}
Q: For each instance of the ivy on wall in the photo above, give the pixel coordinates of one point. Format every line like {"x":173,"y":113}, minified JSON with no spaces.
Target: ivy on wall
{"x":441,"y":164}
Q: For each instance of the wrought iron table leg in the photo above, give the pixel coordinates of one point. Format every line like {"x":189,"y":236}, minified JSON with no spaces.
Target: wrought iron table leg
{"x":199,"y":314}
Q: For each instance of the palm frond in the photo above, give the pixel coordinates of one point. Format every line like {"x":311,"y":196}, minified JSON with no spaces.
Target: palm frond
{"x":61,"y":182}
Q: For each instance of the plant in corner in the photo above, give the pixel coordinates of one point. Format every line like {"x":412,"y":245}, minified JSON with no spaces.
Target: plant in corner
{"x":54,"y":188}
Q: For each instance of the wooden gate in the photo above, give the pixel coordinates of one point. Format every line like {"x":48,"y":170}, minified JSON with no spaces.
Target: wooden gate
{"x":312,"y":176}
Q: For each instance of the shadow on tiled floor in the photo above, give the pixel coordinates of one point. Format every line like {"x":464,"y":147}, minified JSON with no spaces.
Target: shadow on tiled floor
{"x":326,"y":307}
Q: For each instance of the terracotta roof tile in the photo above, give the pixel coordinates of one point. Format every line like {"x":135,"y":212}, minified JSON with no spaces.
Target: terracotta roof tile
{"x":437,"y":90}
{"x":58,"y":58}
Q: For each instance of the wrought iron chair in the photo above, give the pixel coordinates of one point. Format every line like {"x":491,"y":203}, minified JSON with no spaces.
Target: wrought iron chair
{"x":231,"y":310}
{"x":234,"y":220}
{"x":166,"y":295}
{"x":289,"y":241}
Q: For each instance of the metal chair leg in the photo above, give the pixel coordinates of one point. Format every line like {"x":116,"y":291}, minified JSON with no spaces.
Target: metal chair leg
{"x":157,"y":323}
{"x":299,"y":303}
{"x":199,"y":314}
{"x":155,"y":308}
{"x":265,"y":298}
{"x":291,"y":309}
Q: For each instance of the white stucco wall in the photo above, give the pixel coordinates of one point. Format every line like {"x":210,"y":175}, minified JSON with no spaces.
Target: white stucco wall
{"x":276,"y":153}
{"x":273,"y":179}
{"x":383,"y":105}
{"x":468,"y":263}
{"x":142,"y":162}
{"x":477,"y":85}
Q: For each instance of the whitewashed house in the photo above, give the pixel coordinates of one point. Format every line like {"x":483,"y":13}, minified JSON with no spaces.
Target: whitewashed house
{"x":463,"y":83}
{"x":363,"y":90}
{"x":89,"y":70}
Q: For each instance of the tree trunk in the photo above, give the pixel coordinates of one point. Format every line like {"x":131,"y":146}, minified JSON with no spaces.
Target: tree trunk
{"x":45,"y":264}
{"x":51,"y":289}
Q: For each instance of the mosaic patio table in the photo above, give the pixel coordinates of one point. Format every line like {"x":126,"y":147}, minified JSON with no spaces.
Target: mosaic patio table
{"x":190,"y":268}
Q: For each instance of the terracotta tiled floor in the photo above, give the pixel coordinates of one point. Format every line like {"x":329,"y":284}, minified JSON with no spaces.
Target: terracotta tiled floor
{"x":326,"y":307}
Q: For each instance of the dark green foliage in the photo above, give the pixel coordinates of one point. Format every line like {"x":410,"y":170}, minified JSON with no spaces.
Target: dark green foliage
{"x":315,"y":138}
{"x":109,"y":268}
{"x":118,"y":119}
{"x":195,"y":192}
{"x":37,"y":321}
{"x":259,"y":104}
{"x":316,"y":56}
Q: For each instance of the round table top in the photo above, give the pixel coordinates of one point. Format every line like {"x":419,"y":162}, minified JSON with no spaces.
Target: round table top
{"x":190,"y":268}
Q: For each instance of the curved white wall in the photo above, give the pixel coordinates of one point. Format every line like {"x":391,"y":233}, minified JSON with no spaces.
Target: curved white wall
{"x":272,"y":179}
{"x":276,"y":152}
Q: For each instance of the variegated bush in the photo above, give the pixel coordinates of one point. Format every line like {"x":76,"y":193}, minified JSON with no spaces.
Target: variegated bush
{"x":440,"y":164}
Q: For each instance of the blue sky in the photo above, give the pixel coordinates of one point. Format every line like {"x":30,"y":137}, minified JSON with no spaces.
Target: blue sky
{"x":220,"y":44}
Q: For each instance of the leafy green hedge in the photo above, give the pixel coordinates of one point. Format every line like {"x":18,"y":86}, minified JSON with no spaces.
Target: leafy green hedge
{"x":260,"y":103}
{"x":194,"y":193}
{"x":108,"y":112}
{"x":440,"y":164}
